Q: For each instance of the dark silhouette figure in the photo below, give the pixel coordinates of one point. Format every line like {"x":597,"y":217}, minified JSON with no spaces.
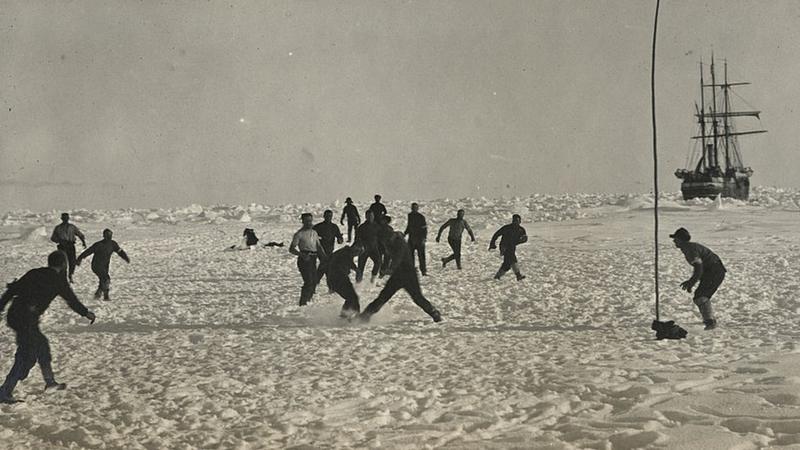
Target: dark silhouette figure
{"x":377,"y":208}
{"x":367,"y":235}
{"x":102,"y":251}
{"x":353,"y":218}
{"x":30,"y":296}
{"x":417,"y":232}
{"x":511,"y":235}
{"x":329,"y":234}
{"x":404,"y":276}
{"x":339,"y":267}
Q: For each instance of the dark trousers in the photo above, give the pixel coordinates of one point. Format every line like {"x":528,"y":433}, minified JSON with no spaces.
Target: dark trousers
{"x":386,"y":261}
{"x":418,"y":244}
{"x":375,"y":256}
{"x":322,"y":270}
{"x":455,"y":244}
{"x":401,"y":279}
{"x":308,"y":270}
{"x":104,"y":278}
{"x":509,"y":259}
{"x":69,"y":249}
{"x":342,"y":286}
{"x":32,"y":347}
{"x":351,"y":226}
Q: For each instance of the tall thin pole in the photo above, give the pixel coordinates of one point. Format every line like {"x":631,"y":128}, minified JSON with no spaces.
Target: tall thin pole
{"x":655,"y":151}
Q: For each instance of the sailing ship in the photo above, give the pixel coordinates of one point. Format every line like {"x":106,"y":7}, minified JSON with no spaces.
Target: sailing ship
{"x":717,"y":167}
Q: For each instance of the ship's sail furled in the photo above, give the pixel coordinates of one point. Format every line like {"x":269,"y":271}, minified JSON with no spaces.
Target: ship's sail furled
{"x":715,"y":165}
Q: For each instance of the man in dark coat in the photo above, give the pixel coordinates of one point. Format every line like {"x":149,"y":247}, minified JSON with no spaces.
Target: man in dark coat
{"x":404,"y":276}
{"x":30,"y":296}
{"x":102,"y":251}
{"x":417,"y":231}
{"x":353,"y":219}
{"x":511,"y":235}
{"x":367,"y":235}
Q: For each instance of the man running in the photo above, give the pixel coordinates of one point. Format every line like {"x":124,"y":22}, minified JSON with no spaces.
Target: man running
{"x":102,"y":251}
{"x":339,"y":267}
{"x":367,"y":235}
{"x":329,"y":234}
{"x":377,"y":208}
{"x":307,"y":246}
{"x":708,"y":270}
{"x":457,"y":226}
{"x":30,"y":296}
{"x":511,"y":235}
{"x":417,"y":231}
{"x":64,"y":235}
{"x":404,"y":276}
{"x":353,"y":219}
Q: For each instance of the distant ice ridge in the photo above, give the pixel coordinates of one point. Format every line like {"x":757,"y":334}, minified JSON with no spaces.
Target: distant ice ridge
{"x":533,"y":208}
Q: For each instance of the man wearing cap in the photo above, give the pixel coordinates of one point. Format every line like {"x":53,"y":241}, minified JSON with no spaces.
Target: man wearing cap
{"x":306,"y":246}
{"x":511,"y":235}
{"x":708,"y":270}
{"x":64,"y":235}
{"x":417,"y":231}
{"x":30,"y":296}
{"x":353,"y":219}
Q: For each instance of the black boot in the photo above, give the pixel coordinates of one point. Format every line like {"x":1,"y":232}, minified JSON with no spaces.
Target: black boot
{"x":710,"y":324}
{"x":436,"y":315}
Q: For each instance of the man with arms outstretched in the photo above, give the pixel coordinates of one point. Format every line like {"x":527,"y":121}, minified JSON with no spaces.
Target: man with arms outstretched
{"x":30,"y":296}
{"x":457,"y":226}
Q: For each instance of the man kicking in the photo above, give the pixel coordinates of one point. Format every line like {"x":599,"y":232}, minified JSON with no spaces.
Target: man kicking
{"x":511,"y":235}
{"x":404,"y":276}
{"x":708,"y":270}
{"x":102,"y":251}
{"x":30,"y":296}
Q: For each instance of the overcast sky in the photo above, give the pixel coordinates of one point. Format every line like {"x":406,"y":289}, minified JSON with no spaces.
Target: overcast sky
{"x":150,"y":104}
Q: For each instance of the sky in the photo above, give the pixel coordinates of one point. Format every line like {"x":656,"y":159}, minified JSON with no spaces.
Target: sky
{"x":155,"y":104}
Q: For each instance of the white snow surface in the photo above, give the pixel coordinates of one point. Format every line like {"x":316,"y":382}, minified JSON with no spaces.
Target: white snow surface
{"x":206,"y":348}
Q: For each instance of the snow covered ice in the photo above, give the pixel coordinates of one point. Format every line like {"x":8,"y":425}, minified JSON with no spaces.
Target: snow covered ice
{"x":206,"y":348}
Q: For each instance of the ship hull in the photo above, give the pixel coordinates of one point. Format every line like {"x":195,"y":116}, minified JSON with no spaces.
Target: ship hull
{"x":738,"y":188}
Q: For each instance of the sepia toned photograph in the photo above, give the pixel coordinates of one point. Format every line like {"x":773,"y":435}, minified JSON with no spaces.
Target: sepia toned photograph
{"x":399,"y":224}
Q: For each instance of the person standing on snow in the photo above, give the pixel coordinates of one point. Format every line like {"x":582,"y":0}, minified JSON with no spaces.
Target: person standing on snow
{"x":708,"y":270}
{"x":307,"y":246}
{"x":353,"y":219}
{"x":417,"y":231}
{"x":64,"y":235}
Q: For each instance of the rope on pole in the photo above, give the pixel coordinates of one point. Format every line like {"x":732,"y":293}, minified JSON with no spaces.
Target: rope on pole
{"x":655,"y":152}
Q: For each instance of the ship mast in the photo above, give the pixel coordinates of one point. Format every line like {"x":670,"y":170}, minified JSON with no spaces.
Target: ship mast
{"x":713,"y":160}
{"x":726,"y":106}
{"x":702,"y":119}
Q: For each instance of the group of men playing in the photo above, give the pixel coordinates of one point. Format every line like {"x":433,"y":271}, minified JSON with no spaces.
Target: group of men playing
{"x":390,"y":252}
{"x":31,"y":295}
